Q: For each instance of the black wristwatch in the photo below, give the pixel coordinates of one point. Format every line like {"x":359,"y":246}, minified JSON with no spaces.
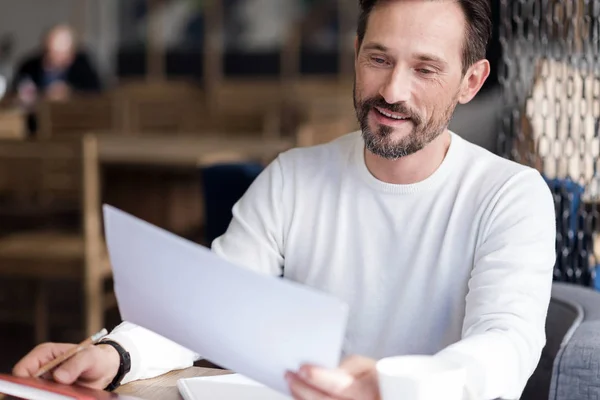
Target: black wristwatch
{"x":124,"y":365}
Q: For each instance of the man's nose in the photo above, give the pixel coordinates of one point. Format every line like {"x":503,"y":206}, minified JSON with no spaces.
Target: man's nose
{"x":397,"y":88}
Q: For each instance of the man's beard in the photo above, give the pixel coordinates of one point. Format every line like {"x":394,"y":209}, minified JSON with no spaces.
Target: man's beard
{"x":381,"y":142}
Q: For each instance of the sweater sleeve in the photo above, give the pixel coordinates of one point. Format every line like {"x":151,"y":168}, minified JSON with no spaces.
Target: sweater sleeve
{"x":509,"y":290}
{"x":253,"y":240}
{"x":151,"y":354}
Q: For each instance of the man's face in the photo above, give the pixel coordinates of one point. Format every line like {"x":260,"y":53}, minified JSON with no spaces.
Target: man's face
{"x":59,"y":49}
{"x":408,"y":74}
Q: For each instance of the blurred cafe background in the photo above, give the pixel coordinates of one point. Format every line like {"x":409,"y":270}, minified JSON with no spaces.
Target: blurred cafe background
{"x":168,"y":109}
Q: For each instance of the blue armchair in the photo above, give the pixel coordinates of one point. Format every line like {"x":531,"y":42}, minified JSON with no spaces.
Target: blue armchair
{"x":223,"y":185}
{"x":569,"y":368}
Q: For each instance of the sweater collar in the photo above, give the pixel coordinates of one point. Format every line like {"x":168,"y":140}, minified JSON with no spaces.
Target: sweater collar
{"x":433,"y":181}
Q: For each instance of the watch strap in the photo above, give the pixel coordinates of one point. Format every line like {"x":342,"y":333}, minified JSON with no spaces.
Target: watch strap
{"x":124,"y":364}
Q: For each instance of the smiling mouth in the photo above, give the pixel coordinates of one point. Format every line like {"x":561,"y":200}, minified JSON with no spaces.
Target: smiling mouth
{"x":390,"y":115}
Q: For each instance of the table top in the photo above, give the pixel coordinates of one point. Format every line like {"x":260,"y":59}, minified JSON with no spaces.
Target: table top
{"x":188,"y":150}
{"x":164,"y":387}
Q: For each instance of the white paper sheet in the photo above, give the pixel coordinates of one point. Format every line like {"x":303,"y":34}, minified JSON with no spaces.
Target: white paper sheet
{"x":233,"y":379}
{"x":226,"y":387}
{"x":256,"y":325}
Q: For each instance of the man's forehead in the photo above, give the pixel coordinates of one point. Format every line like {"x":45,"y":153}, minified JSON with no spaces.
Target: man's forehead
{"x":430,"y":27}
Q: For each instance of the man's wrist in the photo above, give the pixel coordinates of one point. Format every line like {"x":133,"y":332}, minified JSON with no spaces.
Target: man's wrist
{"x":119,"y":357}
{"x":113,"y":358}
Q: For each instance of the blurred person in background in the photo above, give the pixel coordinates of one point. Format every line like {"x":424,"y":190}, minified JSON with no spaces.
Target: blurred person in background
{"x":54,"y":73}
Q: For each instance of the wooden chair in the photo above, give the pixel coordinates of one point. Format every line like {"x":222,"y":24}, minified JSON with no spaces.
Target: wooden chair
{"x":55,"y":177}
{"x":247,"y":95}
{"x":159,"y":107}
{"x":319,"y":99}
{"x":315,"y":88}
{"x":164,"y":115}
{"x":78,"y":115}
{"x":315,"y":132}
{"x":12,"y":124}
{"x":325,"y":111}
{"x":255,"y":106}
{"x":254,"y":123}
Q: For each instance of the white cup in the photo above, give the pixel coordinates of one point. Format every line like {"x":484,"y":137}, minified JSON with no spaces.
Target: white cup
{"x":420,"y":378}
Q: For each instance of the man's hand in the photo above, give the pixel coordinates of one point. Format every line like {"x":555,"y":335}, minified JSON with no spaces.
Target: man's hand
{"x":94,"y":367}
{"x":355,"y":379}
{"x":58,"y":91}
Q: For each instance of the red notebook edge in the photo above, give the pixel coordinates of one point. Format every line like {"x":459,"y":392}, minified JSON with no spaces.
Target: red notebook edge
{"x":74,"y":391}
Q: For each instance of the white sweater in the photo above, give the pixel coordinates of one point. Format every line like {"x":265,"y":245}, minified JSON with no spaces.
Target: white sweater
{"x":458,"y":265}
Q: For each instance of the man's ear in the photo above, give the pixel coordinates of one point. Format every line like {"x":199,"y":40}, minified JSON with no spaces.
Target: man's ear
{"x":473,"y":80}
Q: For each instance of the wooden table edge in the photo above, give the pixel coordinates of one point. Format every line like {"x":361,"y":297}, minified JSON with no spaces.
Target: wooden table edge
{"x":165,"y":386}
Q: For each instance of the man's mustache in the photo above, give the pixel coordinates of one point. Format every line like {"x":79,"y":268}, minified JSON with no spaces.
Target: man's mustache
{"x":398,"y":108}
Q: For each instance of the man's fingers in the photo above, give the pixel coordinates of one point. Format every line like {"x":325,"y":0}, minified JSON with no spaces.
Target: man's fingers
{"x":68,"y":372}
{"x":331,"y":381}
{"x":356,"y":378}
{"x":39,"y":356}
{"x":357,"y":365}
{"x":337,"y":381}
{"x":302,"y":391}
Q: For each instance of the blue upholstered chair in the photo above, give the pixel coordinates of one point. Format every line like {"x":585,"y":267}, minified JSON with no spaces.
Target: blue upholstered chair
{"x":569,"y":367}
{"x":223,"y":186}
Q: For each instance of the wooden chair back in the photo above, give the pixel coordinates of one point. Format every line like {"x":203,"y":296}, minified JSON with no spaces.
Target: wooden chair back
{"x":247,"y":95}
{"x":55,"y":176}
{"x":237,"y":122}
{"x":319,"y":87}
{"x":48,"y":172}
{"x":325,"y":111}
{"x":77,"y":116}
{"x":164,"y":115}
{"x":315,"y":132}
{"x":12,"y":124}
{"x":160,"y":107}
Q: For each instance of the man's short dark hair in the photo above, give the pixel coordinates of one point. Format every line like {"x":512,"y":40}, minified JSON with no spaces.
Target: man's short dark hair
{"x":478,"y":27}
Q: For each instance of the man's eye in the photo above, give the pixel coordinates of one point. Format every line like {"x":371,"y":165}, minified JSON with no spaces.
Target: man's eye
{"x":425,"y":71}
{"x":378,"y":60}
